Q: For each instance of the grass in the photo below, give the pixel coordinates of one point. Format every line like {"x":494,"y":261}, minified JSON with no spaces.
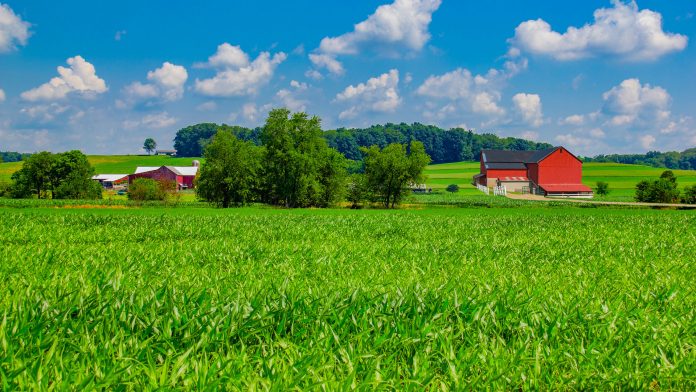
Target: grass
{"x":263,"y":298}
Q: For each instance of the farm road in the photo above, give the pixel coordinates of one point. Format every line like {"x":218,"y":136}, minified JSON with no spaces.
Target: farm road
{"x":621,"y":203}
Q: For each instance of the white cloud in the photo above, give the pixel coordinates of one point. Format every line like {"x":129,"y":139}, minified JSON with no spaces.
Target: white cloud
{"x":476,"y":93}
{"x":623,"y":31}
{"x":529,"y":107}
{"x":250,"y":112}
{"x":530,"y":135}
{"x":208,"y":106}
{"x":153,"y":121}
{"x":647,"y":141}
{"x":327,"y":61}
{"x":597,"y":133}
{"x":314,"y":74}
{"x":574,"y":119}
{"x":378,"y":94}
{"x":401,"y":26}
{"x":44,"y":114}
{"x":80,"y":78}
{"x":228,"y":56}
{"x":289,"y":99}
{"x":2,"y":95}
{"x":166,"y":84}
{"x":13,"y":30}
{"x":236,"y":76}
{"x":631,"y":101}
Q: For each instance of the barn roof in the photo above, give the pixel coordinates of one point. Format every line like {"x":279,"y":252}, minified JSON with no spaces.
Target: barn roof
{"x":109,"y":177}
{"x":505,"y":165}
{"x":505,"y":156}
{"x":184,"y":170}
{"x":144,"y":169}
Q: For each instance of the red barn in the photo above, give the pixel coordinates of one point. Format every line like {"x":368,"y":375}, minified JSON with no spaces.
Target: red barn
{"x":551,"y":172}
{"x":182,"y":176}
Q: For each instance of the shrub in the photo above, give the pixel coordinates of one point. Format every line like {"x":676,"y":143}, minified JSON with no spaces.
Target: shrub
{"x":145,"y":189}
{"x":689,"y":195}
{"x":663,"y":190}
{"x":454,"y":188}
{"x":602,"y":188}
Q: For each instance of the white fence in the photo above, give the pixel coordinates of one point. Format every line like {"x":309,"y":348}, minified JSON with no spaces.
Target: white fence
{"x":500,"y":190}
{"x":483,"y":189}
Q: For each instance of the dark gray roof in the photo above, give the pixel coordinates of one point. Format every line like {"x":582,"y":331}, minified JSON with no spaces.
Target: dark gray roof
{"x":505,"y":165}
{"x":509,"y":157}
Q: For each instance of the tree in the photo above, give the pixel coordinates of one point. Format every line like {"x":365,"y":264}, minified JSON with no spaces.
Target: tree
{"x":389,"y":171}
{"x":300,"y":170}
{"x":148,"y":189}
{"x":60,"y":176}
{"x":149,"y":145}
{"x":602,"y":188}
{"x":188,"y":141}
{"x":232,"y":171}
{"x":453,"y":188}
{"x":357,"y":190}
{"x":662,"y":190}
{"x":689,"y":195}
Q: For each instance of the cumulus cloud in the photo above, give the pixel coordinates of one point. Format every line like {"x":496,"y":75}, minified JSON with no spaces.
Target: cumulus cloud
{"x":289,"y":97}
{"x":529,"y":107}
{"x":2,"y":95}
{"x":378,"y":94}
{"x":480,"y":94}
{"x":81,"y":78}
{"x":236,"y":75}
{"x":153,"y":121}
{"x":393,"y":28}
{"x":166,"y":84}
{"x":647,"y":141}
{"x":574,"y":119}
{"x":13,"y":30}
{"x":632,"y":101}
{"x":622,"y":31}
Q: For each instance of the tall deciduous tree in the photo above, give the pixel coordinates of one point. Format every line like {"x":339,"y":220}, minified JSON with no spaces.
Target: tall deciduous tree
{"x":389,"y":171}
{"x":300,"y":170}
{"x":60,"y":176}
{"x":232,"y":171}
{"x":149,"y":145}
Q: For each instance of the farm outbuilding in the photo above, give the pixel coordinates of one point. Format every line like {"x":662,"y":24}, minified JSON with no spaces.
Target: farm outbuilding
{"x":109,"y":181}
{"x":182,"y":176}
{"x":550,"y":172}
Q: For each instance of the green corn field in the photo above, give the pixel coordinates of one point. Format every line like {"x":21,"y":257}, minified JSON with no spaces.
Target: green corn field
{"x":435,"y":298}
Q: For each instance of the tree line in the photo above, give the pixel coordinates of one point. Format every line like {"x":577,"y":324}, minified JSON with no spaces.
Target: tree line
{"x":294,"y":166}
{"x":685,"y":160}
{"x":441,"y":145}
{"x":664,"y":190}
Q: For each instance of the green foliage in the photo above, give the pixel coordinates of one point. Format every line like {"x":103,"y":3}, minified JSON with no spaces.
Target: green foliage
{"x":149,"y":145}
{"x":357,"y":191}
{"x":192,"y":140}
{"x":232,"y":171}
{"x":11,"y":156}
{"x":268,"y":299}
{"x":59,"y":176}
{"x":602,"y":188}
{"x":685,"y":160}
{"x":689,"y":196}
{"x":389,"y":171}
{"x":299,"y":169}
{"x":662,"y":190}
{"x":148,"y":189}
{"x":452,"y":188}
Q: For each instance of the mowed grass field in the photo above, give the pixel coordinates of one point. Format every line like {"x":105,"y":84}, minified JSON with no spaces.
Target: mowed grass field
{"x":111,"y":164}
{"x":258,"y":298}
{"x":622,"y":178}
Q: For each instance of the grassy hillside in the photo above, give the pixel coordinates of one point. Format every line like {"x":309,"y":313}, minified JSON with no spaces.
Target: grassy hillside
{"x":622,"y":178}
{"x":111,"y":164}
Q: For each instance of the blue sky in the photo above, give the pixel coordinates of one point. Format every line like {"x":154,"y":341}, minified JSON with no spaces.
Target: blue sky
{"x":595,"y":76}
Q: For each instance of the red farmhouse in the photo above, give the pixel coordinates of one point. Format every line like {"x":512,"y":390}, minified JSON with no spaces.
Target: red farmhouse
{"x":551,"y":172}
{"x":181,"y":175}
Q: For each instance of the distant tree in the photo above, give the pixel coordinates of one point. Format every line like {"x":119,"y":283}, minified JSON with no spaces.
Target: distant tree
{"x":148,"y":189}
{"x":602,"y":188}
{"x":60,"y":176}
{"x":389,"y":171}
{"x":299,"y":168}
{"x":150,"y":145}
{"x":232,"y":171}
{"x":453,"y":188}
{"x":662,"y":190}
{"x":689,"y":195}
{"x":188,"y":141}
{"x":357,"y":190}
